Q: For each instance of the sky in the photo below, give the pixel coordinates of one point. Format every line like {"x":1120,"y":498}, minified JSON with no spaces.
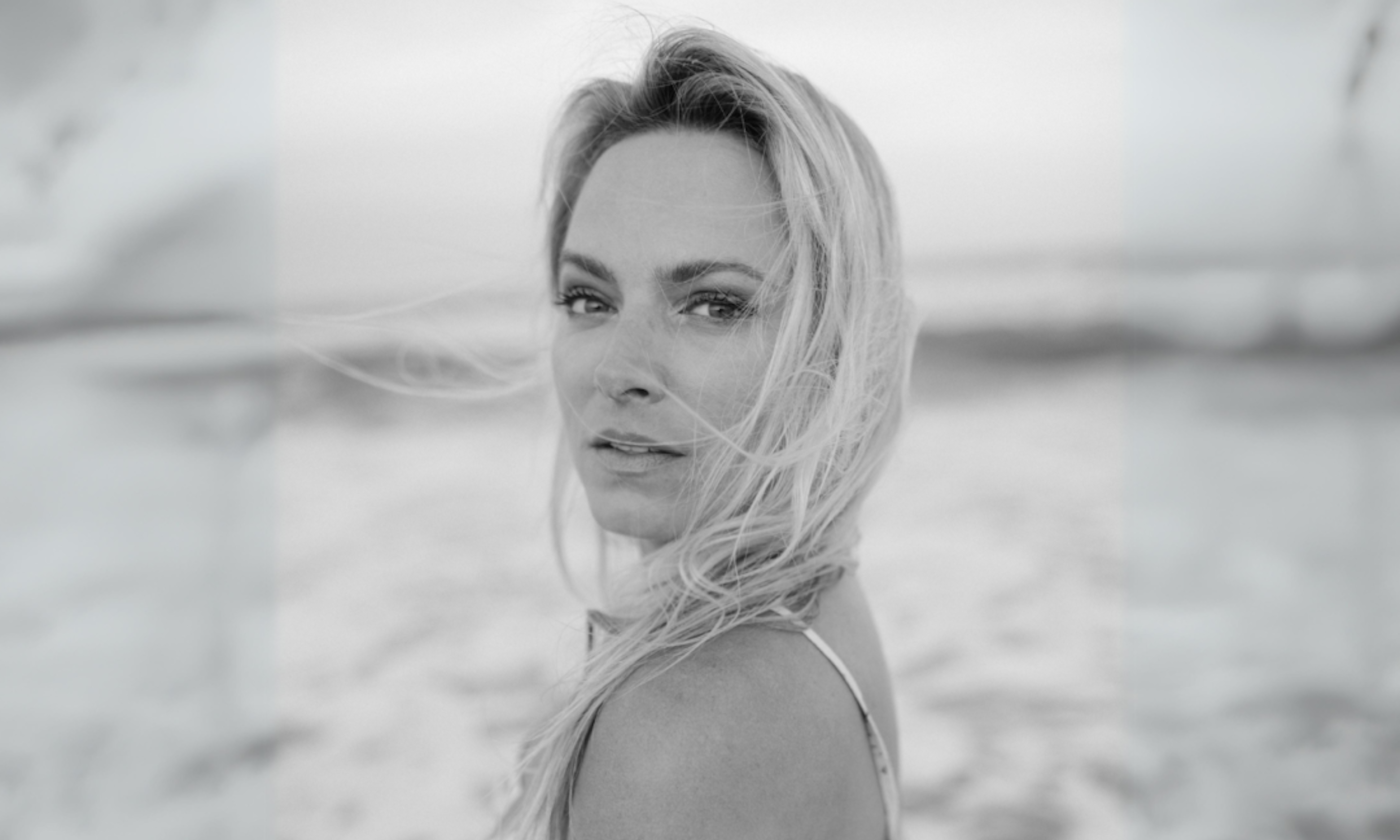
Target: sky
{"x":404,"y":140}
{"x":1022,"y":127}
{"x":424,"y":129}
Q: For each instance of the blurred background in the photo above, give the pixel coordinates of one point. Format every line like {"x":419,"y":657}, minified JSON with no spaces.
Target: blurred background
{"x":1135,"y":562}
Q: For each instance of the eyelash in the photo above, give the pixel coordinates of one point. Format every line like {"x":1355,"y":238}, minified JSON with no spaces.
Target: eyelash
{"x":742,"y":307}
{"x":571,"y":295}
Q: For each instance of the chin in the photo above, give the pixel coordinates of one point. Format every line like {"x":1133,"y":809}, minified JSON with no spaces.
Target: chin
{"x":638,"y":519}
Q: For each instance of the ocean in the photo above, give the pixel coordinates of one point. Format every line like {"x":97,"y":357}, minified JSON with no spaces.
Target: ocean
{"x":1131,"y":575}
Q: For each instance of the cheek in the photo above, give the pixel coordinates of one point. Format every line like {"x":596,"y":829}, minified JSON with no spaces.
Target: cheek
{"x":733,"y":377}
{"x":570,"y":373}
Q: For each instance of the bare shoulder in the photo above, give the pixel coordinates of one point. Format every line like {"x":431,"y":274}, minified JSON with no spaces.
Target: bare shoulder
{"x":754,"y":735}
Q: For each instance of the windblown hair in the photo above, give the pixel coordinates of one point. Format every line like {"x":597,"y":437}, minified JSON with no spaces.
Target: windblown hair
{"x":773,"y":516}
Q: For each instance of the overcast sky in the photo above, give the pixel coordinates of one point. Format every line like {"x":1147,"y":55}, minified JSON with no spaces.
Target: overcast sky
{"x":408,"y":135}
{"x":411,"y":133}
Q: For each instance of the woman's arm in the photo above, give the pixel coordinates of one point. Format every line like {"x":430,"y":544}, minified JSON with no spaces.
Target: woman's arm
{"x":748,"y":738}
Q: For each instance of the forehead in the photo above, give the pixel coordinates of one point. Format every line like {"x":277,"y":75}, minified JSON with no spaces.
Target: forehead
{"x":680,"y":194}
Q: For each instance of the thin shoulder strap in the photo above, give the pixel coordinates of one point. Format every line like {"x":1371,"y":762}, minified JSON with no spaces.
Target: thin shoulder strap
{"x":884,"y":768}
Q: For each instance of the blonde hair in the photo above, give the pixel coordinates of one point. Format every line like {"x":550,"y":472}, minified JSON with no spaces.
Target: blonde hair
{"x":773,"y":523}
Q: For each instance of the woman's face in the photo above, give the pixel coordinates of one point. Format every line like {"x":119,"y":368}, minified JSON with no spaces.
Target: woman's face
{"x":671,"y":237}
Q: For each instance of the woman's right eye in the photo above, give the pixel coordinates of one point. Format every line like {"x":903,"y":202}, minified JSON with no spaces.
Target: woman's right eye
{"x":579,"y":300}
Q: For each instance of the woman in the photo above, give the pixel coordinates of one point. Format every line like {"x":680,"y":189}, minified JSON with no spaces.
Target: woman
{"x":731,"y":363}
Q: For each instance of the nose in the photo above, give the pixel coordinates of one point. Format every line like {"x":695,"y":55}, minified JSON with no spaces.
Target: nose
{"x":629,"y":369}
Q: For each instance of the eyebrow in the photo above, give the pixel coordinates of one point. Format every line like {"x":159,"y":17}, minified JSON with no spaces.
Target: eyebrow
{"x":588,"y":264}
{"x":678,"y":274}
{"x":686,"y":272}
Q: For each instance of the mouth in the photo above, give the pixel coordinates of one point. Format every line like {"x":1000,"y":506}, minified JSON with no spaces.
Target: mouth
{"x":630,"y":444}
{"x":628,"y":454}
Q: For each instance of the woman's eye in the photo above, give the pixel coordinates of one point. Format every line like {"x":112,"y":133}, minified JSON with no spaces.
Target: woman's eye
{"x":578,"y":301}
{"x":718,"y":307}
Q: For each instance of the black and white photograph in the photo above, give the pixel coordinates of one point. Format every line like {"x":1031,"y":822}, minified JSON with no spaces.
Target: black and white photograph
{"x":583,"y":420}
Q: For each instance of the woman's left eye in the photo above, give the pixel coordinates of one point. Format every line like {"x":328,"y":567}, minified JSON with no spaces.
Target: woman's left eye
{"x":717,"y":306}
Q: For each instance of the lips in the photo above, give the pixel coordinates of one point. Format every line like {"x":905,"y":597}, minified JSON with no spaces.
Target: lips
{"x":624,"y":453}
{"x":631,"y":444}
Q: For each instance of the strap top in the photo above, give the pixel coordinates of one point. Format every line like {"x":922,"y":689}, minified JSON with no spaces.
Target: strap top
{"x":884,"y":768}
